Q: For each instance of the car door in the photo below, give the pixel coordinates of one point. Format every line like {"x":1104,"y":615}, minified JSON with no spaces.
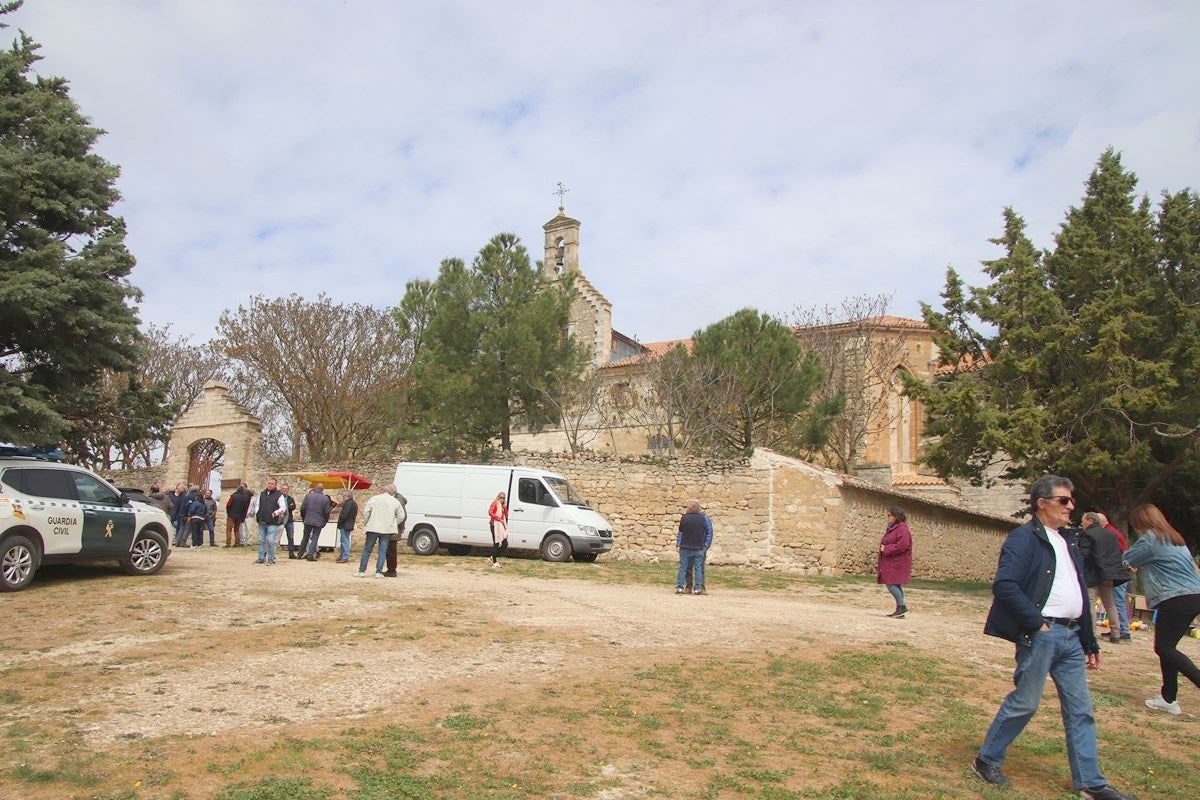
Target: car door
{"x":108,"y":521}
{"x":531,"y":514}
{"x":49,"y":506}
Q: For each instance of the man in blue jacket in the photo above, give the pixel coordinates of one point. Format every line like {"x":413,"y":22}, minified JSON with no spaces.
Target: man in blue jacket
{"x":693,"y":536}
{"x":1040,"y":604}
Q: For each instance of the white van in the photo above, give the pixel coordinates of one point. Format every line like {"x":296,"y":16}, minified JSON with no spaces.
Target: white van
{"x":448,"y":505}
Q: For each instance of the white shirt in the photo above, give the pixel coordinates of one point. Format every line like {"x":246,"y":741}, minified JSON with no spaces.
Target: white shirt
{"x":1065,"y":600}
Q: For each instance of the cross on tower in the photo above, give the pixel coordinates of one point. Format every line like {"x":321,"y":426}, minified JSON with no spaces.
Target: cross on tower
{"x":561,"y":191}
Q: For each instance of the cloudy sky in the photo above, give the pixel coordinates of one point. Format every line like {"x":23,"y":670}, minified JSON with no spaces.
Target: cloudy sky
{"x":718,"y":154}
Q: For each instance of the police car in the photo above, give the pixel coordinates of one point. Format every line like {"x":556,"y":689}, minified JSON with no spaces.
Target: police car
{"x":56,"y":513}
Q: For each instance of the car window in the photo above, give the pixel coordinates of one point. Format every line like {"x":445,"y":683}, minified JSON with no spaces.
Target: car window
{"x":93,"y":491}
{"x":531,"y":490}
{"x":15,"y":479}
{"x":51,"y":483}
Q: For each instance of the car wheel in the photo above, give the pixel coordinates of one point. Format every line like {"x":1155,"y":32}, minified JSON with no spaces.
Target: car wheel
{"x":18,"y":562}
{"x":556,"y":547}
{"x":586,"y":557}
{"x":148,"y":554}
{"x":424,"y":542}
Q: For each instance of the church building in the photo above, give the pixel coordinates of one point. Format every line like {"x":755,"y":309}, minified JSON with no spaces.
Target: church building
{"x":882,"y":443}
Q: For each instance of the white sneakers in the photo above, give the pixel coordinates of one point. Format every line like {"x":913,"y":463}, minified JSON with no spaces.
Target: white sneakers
{"x":360,"y":574}
{"x":1158,"y":704}
{"x":495,"y":565}
{"x":378,"y":574}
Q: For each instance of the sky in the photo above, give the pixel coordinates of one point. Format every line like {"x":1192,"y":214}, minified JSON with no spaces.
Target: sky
{"x":779,"y":155}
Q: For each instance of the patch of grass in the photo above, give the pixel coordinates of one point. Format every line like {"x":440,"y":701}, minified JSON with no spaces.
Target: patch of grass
{"x":275,"y":789}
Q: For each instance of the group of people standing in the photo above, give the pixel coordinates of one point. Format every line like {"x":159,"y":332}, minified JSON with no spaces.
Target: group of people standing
{"x":191,"y":511}
{"x":1041,"y":604}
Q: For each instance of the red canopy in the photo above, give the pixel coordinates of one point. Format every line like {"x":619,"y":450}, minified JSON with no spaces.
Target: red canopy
{"x":336,"y":480}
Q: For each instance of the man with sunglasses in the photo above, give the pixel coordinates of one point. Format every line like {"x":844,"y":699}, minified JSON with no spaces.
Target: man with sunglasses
{"x":1040,"y":604}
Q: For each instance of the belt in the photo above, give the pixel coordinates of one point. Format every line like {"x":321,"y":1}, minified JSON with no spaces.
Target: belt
{"x":1066,"y":623}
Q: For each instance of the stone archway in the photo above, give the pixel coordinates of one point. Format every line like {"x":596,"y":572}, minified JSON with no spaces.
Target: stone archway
{"x":205,"y":457}
{"x":216,"y":432}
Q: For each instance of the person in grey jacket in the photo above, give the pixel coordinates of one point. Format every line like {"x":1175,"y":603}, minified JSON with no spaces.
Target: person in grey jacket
{"x":315,"y":509}
{"x":1172,"y":588}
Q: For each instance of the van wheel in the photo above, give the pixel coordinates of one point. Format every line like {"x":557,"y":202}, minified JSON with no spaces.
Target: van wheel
{"x":556,"y":547}
{"x":148,"y":554}
{"x":18,"y":562}
{"x":424,"y":542}
{"x":587,"y":558}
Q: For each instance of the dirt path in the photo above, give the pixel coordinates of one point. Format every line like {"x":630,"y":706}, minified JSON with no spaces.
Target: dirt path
{"x":217,"y":644}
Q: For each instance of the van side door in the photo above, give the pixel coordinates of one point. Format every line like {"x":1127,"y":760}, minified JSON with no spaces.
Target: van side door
{"x":533,"y":512}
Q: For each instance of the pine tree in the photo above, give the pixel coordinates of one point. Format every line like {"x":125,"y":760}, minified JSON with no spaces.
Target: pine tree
{"x":1090,"y":352}
{"x":66,"y":304}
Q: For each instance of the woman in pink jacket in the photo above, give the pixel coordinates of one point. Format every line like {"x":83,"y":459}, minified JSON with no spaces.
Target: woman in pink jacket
{"x":895,"y":558}
{"x":498,"y":522}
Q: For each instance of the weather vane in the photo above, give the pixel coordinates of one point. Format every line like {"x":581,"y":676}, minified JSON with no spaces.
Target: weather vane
{"x":561,"y":191}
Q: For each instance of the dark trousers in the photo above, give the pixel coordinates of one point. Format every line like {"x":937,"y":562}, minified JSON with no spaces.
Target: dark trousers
{"x":391,"y":555}
{"x":308,"y":542}
{"x":197,"y":532}
{"x":1174,"y":617}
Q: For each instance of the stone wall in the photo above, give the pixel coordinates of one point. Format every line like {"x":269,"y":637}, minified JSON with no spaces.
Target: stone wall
{"x":769,"y":512}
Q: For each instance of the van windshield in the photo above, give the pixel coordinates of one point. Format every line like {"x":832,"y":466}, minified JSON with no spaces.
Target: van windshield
{"x":566,"y":492}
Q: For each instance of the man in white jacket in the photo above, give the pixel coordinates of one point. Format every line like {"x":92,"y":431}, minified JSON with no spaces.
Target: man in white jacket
{"x":382,"y":516}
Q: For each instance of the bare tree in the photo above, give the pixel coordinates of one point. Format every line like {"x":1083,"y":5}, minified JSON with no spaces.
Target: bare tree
{"x":861,"y":350}
{"x":333,"y":365}
{"x":684,"y":403}
{"x":577,"y":403}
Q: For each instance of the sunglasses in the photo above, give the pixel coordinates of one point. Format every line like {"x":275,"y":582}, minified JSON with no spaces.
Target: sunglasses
{"x":1061,"y":499}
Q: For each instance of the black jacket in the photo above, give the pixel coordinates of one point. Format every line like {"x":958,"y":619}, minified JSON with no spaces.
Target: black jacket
{"x":347,"y":514}
{"x":239,"y":503}
{"x":1022,"y":586}
{"x":1102,"y":556}
{"x":268,"y":504}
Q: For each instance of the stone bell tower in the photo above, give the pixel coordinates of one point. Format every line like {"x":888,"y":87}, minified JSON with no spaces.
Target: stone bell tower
{"x":591,"y":313}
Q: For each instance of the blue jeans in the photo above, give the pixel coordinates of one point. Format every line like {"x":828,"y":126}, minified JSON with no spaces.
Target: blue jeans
{"x":290,"y":528}
{"x":372,"y":538}
{"x":897,"y":593}
{"x":211,"y":524}
{"x":694,"y":559}
{"x":1059,"y":654}
{"x":267,"y":536}
{"x":344,"y":543}
{"x":1121,"y":598}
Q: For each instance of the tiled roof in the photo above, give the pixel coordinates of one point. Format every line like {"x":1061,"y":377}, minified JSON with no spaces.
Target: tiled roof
{"x":652,"y":350}
{"x":913,"y":479}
